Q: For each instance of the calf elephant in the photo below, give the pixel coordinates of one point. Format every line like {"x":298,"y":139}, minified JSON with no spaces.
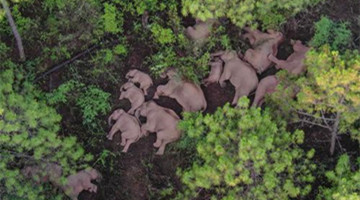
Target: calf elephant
{"x":215,"y":73}
{"x":74,"y":184}
{"x":134,"y":94}
{"x":80,"y":181}
{"x":265,"y":44}
{"x":161,"y":120}
{"x":187,"y":94}
{"x":128,"y":126}
{"x":240,"y":74}
{"x":140,"y":77}
{"x":294,"y":64}
{"x":267,"y":85}
{"x":200,"y":31}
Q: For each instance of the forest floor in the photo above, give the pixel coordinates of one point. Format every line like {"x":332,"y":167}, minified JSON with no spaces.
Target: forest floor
{"x":141,"y":175}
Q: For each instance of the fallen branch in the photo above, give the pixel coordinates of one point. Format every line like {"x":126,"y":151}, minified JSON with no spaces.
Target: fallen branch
{"x":14,"y":30}
{"x":59,"y":66}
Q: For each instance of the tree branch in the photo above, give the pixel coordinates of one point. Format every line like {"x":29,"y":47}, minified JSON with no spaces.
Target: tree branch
{"x":14,"y":30}
{"x":313,"y":123}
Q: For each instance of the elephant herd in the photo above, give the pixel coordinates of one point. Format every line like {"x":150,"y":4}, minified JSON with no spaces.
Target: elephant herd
{"x":240,"y":70}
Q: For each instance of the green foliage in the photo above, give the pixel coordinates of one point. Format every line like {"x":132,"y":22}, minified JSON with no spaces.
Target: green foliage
{"x":329,"y":91}
{"x":336,"y":34}
{"x":162,"y":35}
{"x":91,"y":100}
{"x":269,"y":13}
{"x":190,"y":67}
{"x":345,"y":183}
{"x":112,"y":22}
{"x":28,"y":136}
{"x":243,"y":154}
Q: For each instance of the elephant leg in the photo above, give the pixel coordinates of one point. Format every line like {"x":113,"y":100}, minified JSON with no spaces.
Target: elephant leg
{"x":123,"y":141}
{"x":161,"y":149}
{"x":111,"y":133}
{"x":128,"y":142}
{"x":259,"y":95}
{"x":91,"y":187}
{"x":279,"y":63}
{"x":158,"y":142}
{"x":224,"y":76}
{"x":239,"y":92}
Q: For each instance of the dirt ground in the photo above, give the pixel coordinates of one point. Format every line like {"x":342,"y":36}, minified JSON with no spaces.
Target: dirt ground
{"x":140,"y":175}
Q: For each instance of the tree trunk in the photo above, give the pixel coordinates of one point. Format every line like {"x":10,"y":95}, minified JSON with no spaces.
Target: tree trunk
{"x":334,"y":133}
{"x":14,"y":30}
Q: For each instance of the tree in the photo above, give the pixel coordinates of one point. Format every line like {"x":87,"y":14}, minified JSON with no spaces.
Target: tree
{"x":28,"y":136}
{"x":328,"y":95}
{"x":336,"y":34}
{"x":14,"y":30}
{"x":270,"y":13}
{"x":242,"y":154}
{"x":344,"y":182}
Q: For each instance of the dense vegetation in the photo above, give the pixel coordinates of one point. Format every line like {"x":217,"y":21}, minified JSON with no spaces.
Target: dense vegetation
{"x":302,"y":144}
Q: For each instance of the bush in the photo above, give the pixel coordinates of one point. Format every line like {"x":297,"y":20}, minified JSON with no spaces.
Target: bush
{"x":327,"y":96}
{"x":243,"y":154}
{"x":269,"y":13}
{"x":337,"y":35}
{"x":28,"y":136}
{"x":345,"y":183}
{"x":91,"y":100}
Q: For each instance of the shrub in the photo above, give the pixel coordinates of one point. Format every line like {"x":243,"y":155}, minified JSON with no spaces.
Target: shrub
{"x":112,"y":19}
{"x":328,"y":95}
{"x":243,"y":154}
{"x":345,"y":182}
{"x":336,"y":34}
{"x":28,"y":136}
{"x":91,"y":100}
{"x":268,"y":13}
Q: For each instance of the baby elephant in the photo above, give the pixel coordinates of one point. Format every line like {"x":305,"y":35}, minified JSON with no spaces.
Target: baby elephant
{"x":161,"y":120}
{"x":80,"y":181}
{"x":240,"y":74}
{"x":267,"y":85}
{"x":215,"y":73}
{"x":134,"y":94}
{"x":187,"y":94}
{"x":264,"y":44}
{"x":140,"y":77}
{"x":294,"y":64}
{"x":128,"y":126}
{"x":200,"y":31}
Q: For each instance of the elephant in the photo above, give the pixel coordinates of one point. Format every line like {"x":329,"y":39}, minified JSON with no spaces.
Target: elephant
{"x":140,"y":77}
{"x":80,"y":181}
{"x":200,"y":31}
{"x":264,"y":44}
{"x":162,"y":121}
{"x":128,"y":126}
{"x":215,"y":73}
{"x":240,"y":74}
{"x":134,"y":94}
{"x":187,"y":94}
{"x":257,"y":37}
{"x":294,"y":64}
{"x":266,"y":85}
{"x":49,"y":172}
